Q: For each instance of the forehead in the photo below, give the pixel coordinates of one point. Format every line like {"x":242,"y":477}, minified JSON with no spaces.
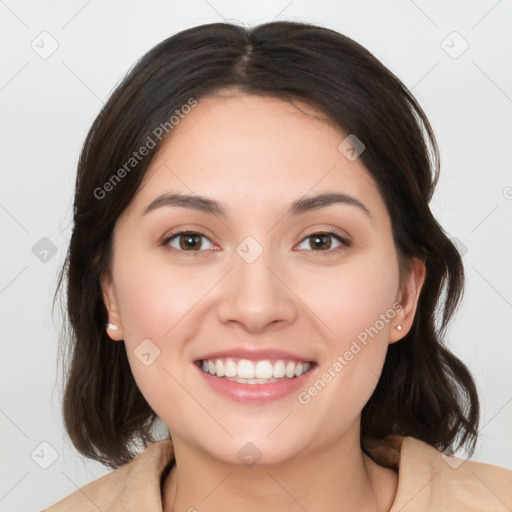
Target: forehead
{"x":248,"y":149}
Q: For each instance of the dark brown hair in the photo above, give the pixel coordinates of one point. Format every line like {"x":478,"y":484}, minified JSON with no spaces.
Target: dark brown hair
{"x":424,"y":390}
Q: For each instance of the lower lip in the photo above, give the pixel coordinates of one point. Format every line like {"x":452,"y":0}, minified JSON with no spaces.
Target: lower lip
{"x":256,"y":393}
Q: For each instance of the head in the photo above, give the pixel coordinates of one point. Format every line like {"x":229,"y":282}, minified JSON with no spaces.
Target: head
{"x":257,"y":120}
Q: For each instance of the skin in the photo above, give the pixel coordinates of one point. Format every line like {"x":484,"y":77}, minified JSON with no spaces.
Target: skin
{"x":257,"y":155}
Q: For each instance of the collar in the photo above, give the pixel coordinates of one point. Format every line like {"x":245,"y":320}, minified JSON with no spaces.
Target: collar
{"x":427,"y":481}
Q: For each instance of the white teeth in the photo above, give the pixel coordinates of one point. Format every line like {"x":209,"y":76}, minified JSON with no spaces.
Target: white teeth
{"x":245,"y":369}
{"x":299,"y":370}
{"x":219,"y":368}
{"x":248,"y":372}
{"x":230,"y":368}
{"x":278,"y":370}
{"x":251,"y":381}
{"x":263,"y":370}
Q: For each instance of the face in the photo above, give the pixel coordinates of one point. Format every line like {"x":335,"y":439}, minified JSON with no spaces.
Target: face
{"x":254,"y":280}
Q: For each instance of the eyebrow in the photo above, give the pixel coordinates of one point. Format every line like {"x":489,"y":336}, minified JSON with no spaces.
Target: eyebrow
{"x":210,"y":206}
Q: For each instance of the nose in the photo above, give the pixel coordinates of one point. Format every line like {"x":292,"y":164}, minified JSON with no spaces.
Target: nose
{"x":256,"y":296}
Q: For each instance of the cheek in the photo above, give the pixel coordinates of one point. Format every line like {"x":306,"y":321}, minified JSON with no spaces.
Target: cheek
{"x":154,"y":301}
{"x":355,"y":306}
{"x":153,"y":298}
{"x":352,"y":297}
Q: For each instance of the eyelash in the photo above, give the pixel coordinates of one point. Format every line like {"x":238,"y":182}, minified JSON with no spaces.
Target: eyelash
{"x":344,"y":242}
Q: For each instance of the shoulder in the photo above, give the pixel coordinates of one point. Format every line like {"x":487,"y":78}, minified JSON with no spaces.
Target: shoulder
{"x":134,"y":486}
{"x":431,"y":480}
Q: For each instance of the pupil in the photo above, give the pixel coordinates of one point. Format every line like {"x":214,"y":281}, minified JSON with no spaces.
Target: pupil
{"x":190,"y":241}
{"x":322,"y":237}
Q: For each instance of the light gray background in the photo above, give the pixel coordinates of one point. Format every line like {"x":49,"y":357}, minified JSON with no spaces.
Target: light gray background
{"x":48,"y":105}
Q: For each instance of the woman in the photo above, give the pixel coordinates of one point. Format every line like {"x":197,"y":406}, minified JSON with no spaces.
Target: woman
{"x":254,"y":262}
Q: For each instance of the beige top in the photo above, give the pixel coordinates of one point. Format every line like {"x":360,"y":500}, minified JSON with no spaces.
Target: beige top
{"x":427,"y":481}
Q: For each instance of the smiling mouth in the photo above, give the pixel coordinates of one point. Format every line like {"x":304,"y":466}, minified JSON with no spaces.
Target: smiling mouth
{"x":245,"y":371}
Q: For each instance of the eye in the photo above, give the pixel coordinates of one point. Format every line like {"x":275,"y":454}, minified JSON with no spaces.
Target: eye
{"x":186,"y":241}
{"x":324,"y":241}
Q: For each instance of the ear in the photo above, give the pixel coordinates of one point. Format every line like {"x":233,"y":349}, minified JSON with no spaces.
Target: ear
{"x":109,"y":299}
{"x":407,"y":298}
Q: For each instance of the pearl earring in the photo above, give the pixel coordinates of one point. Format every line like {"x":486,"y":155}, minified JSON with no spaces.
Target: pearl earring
{"x":113,"y":327}
{"x":399,"y":327}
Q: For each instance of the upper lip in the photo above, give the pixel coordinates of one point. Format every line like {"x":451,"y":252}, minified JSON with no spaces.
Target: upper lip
{"x":255,"y":354}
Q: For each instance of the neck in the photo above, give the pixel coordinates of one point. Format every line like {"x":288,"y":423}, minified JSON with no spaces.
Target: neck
{"x":337,"y":477}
